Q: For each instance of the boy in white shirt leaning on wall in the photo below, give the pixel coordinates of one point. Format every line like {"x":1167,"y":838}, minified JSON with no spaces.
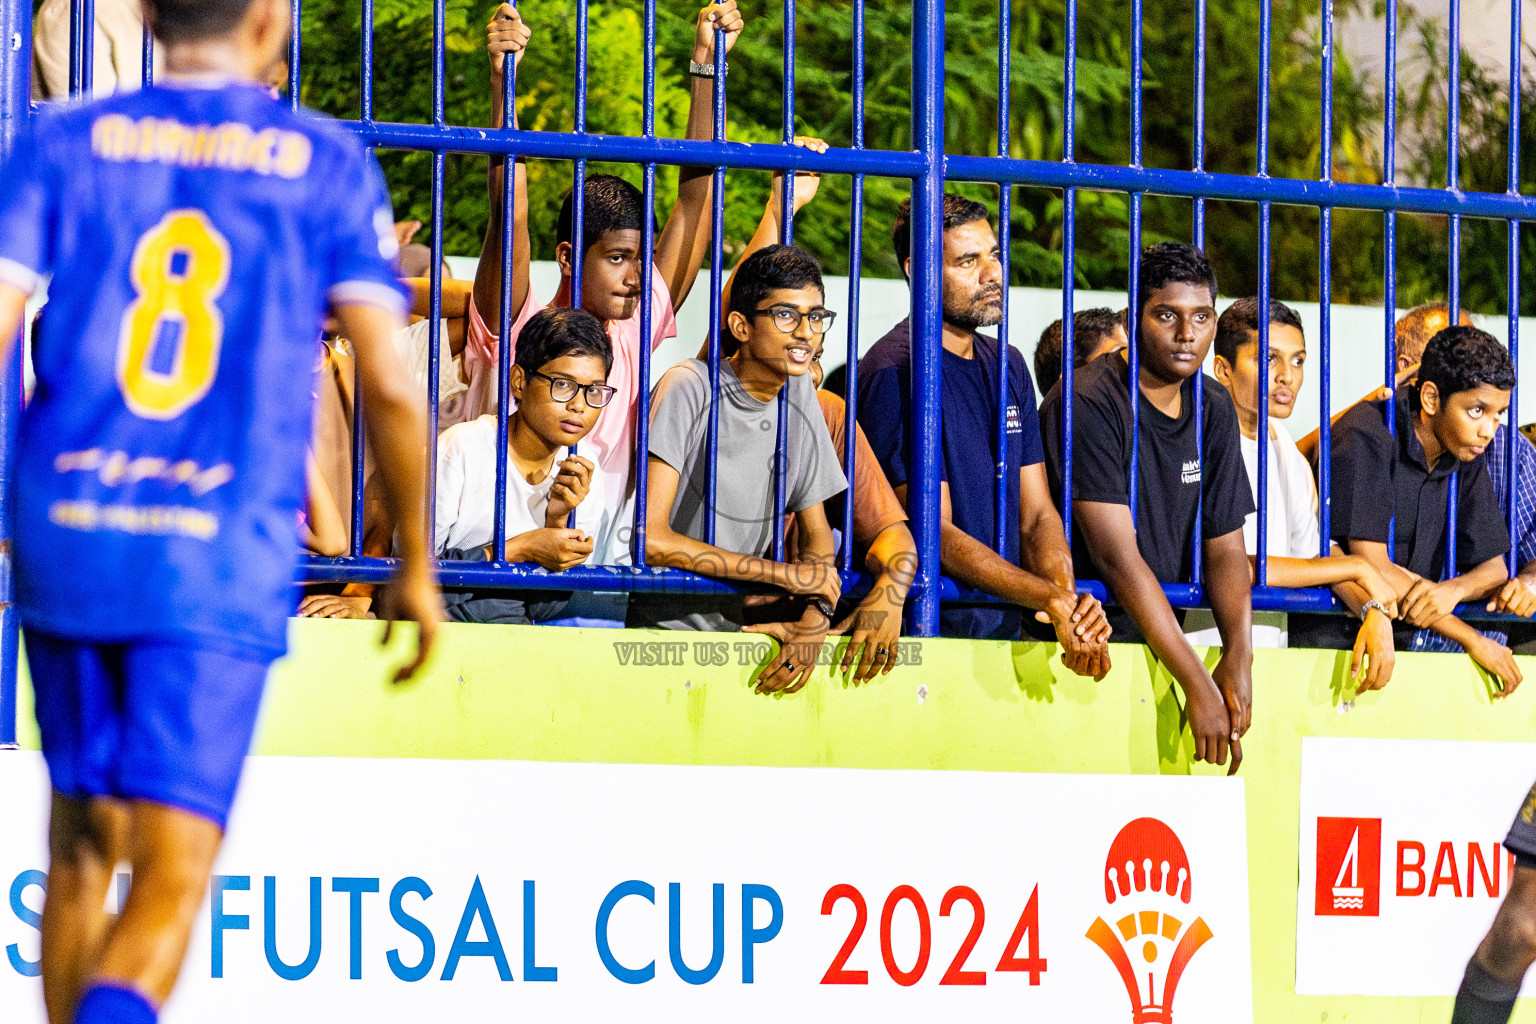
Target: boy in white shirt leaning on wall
{"x":1293,"y":551}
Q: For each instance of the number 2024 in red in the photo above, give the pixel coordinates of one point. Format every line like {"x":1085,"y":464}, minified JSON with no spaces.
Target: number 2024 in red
{"x":1026,"y":933}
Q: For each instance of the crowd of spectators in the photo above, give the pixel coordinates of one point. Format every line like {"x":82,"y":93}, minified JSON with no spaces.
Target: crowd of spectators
{"x":1160,"y":493}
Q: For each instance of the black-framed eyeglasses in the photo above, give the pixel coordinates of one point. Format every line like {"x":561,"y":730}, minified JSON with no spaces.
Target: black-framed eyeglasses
{"x":563,"y":389}
{"x":787,"y":318}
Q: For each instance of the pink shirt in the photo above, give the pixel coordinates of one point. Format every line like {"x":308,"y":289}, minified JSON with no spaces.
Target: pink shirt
{"x":613,"y":439}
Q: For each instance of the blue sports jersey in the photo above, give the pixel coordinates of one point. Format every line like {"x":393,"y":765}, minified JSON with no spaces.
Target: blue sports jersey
{"x":195,"y":234}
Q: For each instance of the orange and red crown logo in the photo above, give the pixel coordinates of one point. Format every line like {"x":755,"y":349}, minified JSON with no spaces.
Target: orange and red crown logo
{"x":1147,"y":875}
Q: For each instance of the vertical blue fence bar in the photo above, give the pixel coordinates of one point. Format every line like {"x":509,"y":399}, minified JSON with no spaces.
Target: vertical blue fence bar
{"x":359,"y":424}
{"x":87,"y":48}
{"x":435,"y":306}
{"x":147,"y":57}
{"x":1199,"y":155}
{"x":505,"y":313}
{"x":716,"y":280}
{"x":1453,"y":183}
{"x":1197,"y":547}
{"x":1000,"y":525}
{"x":1325,"y":294}
{"x":1133,"y":312}
{"x":1069,"y":268}
{"x":855,"y":270}
{"x":787,"y":220}
{"x":15,"y":97}
{"x":1389,"y":237}
{"x":365,"y":103}
{"x":579,"y":184}
{"x":1266,"y":11}
{"x":434,"y":342}
{"x":927,"y":301}
{"x":76,"y":65}
{"x":647,"y":252}
{"x":296,"y":13}
{"x":579,"y":195}
{"x":1512,"y":273}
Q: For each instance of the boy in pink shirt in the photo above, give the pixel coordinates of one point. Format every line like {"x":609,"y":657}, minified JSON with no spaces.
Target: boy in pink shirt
{"x":612,"y":267}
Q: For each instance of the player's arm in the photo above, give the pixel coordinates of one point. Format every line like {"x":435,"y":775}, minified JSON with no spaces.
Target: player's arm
{"x":13,"y":306}
{"x":685,"y":239}
{"x":507,"y":33}
{"x":397,"y":429}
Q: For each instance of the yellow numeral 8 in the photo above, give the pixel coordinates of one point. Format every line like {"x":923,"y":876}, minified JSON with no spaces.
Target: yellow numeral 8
{"x":168,"y":294}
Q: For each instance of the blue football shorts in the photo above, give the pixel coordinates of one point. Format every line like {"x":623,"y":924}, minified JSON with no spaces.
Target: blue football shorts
{"x":170,"y":723}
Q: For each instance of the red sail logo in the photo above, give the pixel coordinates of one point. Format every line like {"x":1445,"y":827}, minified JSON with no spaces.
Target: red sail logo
{"x":1147,"y":876}
{"x":1348,"y":867}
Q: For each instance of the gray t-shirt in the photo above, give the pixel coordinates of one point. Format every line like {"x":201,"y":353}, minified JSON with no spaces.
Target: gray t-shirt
{"x":744,"y":484}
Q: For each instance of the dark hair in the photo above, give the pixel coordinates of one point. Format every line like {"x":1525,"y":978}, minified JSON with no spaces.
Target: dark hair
{"x":958,"y":210}
{"x":836,"y":380}
{"x":1048,"y":357}
{"x":771,"y":267}
{"x":1422,"y":323}
{"x":179,"y":21}
{"x":1172,"y":263}
{"x":1462,"y":359}
{"x":1089,"y":326}
{"x":1239,"y":324}
{"x":557,"y":331}
{"x":612,"y":204}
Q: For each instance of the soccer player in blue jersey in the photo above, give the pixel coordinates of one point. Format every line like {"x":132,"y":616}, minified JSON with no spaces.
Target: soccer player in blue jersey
{"x":195,"y":232}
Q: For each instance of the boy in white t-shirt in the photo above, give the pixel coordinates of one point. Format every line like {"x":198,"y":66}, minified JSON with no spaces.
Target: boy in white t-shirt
{"x":560,"y":382}
{"x":1294,"y":553}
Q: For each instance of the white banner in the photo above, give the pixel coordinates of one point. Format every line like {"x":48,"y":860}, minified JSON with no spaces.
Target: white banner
{"x":453,"y":890}
{"x":1402,"y":867}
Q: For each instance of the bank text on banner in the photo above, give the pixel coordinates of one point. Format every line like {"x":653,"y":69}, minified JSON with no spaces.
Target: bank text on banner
{"x":1402,"y":866}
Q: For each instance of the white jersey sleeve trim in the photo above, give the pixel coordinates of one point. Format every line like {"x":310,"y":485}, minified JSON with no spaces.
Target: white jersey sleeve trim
{"x":19,"y":275}
{"x":366,"y":293}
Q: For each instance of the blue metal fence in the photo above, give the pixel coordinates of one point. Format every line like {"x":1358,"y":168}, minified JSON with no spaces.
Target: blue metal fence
{"x":928,"y":167}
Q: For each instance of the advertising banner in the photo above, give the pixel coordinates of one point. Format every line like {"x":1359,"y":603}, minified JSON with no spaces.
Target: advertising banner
{"x":397,"y":890}
{"x":1402,"y":866}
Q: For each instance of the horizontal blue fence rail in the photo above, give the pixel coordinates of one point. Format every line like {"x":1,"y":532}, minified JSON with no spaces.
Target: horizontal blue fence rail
{"x":928,"y":167}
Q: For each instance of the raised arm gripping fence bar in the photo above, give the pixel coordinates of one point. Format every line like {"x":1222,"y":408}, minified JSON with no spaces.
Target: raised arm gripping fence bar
{"x":927,"y":165}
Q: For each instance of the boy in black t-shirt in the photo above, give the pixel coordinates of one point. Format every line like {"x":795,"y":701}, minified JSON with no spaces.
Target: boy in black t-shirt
{"x":1134,"y":553}
{"x":1385,"y":486}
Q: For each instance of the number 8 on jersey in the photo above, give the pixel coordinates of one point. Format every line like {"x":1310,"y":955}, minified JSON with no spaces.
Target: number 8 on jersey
{"x":180,"y":267}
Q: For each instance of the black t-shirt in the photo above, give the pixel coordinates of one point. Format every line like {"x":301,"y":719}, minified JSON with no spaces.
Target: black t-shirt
{"x":969,"y":442}
{"x":1377,"y":477}
{"x":1171,"y":475}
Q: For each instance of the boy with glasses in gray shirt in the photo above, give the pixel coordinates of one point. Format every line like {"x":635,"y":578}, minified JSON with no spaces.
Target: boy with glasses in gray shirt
{"x":775,"y":312}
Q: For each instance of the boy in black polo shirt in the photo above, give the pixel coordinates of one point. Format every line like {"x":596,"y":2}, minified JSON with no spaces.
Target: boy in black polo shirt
{"x":1134,"y":554}
{"x":1381,"y":482}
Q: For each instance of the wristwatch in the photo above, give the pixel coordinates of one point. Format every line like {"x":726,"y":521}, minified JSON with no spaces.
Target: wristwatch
{"x":706,"y":70}
{"x":1366,"y":608}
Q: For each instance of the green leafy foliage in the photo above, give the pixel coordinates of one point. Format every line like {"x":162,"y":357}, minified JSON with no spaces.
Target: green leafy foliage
{"x":403,"y":48}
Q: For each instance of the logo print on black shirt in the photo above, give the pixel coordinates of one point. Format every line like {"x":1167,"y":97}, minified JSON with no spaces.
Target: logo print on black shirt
{"x":1191,"y":474}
